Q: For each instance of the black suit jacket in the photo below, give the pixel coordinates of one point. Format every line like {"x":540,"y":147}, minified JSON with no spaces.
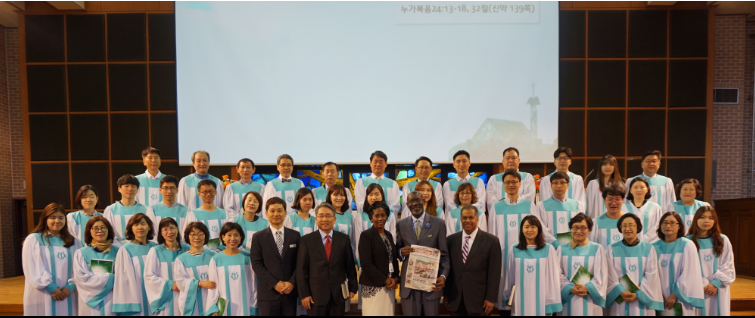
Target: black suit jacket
{"x":374,"y":258}
{"x":319,"y":278}
{"x":268,"y":264}
{"x":478,"y":279}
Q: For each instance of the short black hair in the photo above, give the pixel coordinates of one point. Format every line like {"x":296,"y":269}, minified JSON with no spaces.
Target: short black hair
{"x":127,"y":179}
{"x":379,"y":154}
{"x":416,"y":162}
{"x":652,"y":153}
{"x":199,"y":226}
{"x":462,"y":152}
{"x":615,"y":190}
{"x":469,"y":207}
{"x":632,"y":216}
{"x":136,"y":219}
{"x":246,"y":160}
{"x":165,"y":222}
{"x":275,"y":200}
{"x":206,"y":182}
{"x":88,"y":229}
{"x":678,"y":219}
{"x":558,"y":175}
{"x":630,"y":196}
{"x":331,"y":163}
{"x":230,"y":226}
{"x":581,"y":217}
{"x":511,"y":172}
{"x":82,"y":191}
{"x":257,"y":196}
{"x":564,"y":150}
{"x":168,"y":179}
{"x":511,"y":149}
{"x":151,"y":150}
{"x":378,"y":205}
{"x":300,"y":194}
{"x":698,"y":187}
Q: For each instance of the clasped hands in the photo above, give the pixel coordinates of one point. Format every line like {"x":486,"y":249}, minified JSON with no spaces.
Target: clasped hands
{"x":284,"y":288}
{"x":60,"y":294}
{"x":579,"y":290}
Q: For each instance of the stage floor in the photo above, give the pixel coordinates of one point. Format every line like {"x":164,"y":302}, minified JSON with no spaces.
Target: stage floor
{"x":12,"y":295}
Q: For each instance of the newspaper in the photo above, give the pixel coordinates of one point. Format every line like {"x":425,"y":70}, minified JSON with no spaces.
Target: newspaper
{"x":422,"y":268}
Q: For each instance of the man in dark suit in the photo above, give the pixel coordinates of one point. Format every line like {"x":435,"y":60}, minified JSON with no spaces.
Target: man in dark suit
{"x":429,"y":231}
{"x":273,"y":254}
{"x":473,"y":282}
{"x":325,"y":262}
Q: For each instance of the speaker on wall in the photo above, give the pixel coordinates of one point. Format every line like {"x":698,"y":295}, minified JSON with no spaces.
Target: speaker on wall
{"x":87,"y":87}
{"x":647,"y":33}
{"x":128,"y":86}
{"x":605,"y":132}
{"x":44,"y":38}
{"x":46,"y":88}
{"x":51,"y":184}
{"x":127,"y":37}
{"x":571,"y":33}
{"x":48,"y":137}
{"x":85,"y":36}
{"x":647,"y":83}
{"x":606,"y":83}
{"x":646,"y":131}
{"x":129,"y":135}
{"x":571,"y":83}
{"x":606,"y":33}
{"x":571,"y":130}
{"x":89,"y":137}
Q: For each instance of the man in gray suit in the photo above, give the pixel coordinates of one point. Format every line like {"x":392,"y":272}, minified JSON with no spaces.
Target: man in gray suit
{"x":429,"y":231}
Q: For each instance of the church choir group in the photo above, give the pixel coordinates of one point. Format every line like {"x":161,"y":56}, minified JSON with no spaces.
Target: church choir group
{"x":192,"y":247}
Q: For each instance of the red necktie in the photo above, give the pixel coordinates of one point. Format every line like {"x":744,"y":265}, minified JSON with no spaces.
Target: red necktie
{"x":327,"y":246}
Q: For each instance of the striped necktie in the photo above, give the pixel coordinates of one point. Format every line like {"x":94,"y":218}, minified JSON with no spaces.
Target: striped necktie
{"x":465,"y":250}
{"x":279,"y":241}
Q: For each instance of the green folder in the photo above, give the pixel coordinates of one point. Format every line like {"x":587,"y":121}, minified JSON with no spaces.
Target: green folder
{"x":214,"y":244}
{"x":581,"y":276}
{"x":221,"y":306}
{"x":628,"y":285}
{"x":563,"y":238}
{"x":677,"y":310}
{"x":101,"y":266}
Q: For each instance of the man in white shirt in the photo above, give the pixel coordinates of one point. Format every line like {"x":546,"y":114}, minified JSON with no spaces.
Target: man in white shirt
{"x":149,"y":181}
{"x":285,"y":186}
{"x":495,"y":189}
{"x":462,"y":162}
{"x":378,"y":163}
{"x":423,"y":168}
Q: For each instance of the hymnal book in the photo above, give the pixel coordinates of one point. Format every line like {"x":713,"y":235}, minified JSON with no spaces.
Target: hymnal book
{"x":581,"y":276}
{"x":345,"y":291}
{"x":101,"y":266}
{"x":628,"y":285}
{"x":511,"y":298}
{"x":563,"y":238}
{"x":221,"y":306}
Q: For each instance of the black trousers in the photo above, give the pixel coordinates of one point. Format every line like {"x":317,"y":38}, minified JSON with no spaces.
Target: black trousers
{"x":281,"y":307}
{"x":329,"y":309}
{"x":462,"y":310}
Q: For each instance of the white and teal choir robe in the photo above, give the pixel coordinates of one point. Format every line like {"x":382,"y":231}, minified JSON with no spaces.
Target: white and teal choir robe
{"x":409,"y":187}
{"x":158,"y":280}
{"x":661,"y":190}
{"x":650,"y":213}
{"x":129,"y":292}
{"x":149,"y":189}
{"x":450,"y":187}
{"x":640,"y":262}
{"x":48,"y":265}
{"x":536,"y":275}
{"x":680,"y":274}
{"x":118,"y":215}
{"x":453,"y":221}
{"x":176,"y":211}
{"x":95,"y":291}
{"x":718,"y":271}
{"x":594,"y":199}
{"x":234,"y":194}
{"x":214,"y":220}
{"x":687,"y":212}
{"x":233,"y":277}
{"x":504,"y":219}
{"x":250,"y":228}
{"x":576,"y":189}
{"x":605,"y":231}
{"x":321,"y":193}
{"x":284,"y":190}
{"x":391,"y":193}
{"x":77,"y":223}
{"x":496,"y":192}
{"x":187,"y":191}
{"x":188,"y":270}
{"x":593,"y":258}
{"x":556,"y":215}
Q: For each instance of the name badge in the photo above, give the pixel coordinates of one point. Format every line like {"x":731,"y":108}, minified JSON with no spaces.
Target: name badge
{"x":390,"y":267}
{"x":292,"y":246}
{"x":430,"y":235}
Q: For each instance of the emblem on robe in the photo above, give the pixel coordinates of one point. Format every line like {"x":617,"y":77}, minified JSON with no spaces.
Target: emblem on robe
{"x":632,"y":268}
{"x":512,"y":224}
{"x":214,"y":228}
{"x":664,"y":263}
{"x":153,"y":197}
{"x":234,"y":276}
{"x":203,"y":276}
{"x":577,"y":265}
{"x":617,"y":237}
{"x":562,"y":220}
{"x":708,"y":258}
{"x":530,"y":268}
{"x":61,"y":255}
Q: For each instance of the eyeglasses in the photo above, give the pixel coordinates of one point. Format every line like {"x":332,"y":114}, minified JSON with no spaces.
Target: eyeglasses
{"x":562,"y":158}
{"x":327,"y":216}
{"x":579,"y":228}
{"x":99,"y":229}
{"x":207,"y":192}
{"x":286,"y":165}
{"x":511,"y":182}
{"x":562,"y":183}
{"x":669,"y":223}
{"x":196,"y":235}
{"x":629,"y":226}
{"x":424,"y":168}
{"x":652,"y":161}
{"x":169,"y":188}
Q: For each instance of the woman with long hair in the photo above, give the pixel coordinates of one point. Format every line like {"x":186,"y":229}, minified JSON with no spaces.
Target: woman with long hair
{"x":717,"y":260}
{"x":303,"y":218}
{"x":428,"y":195}
{"x":374,"y":193}
{"x":46,"y":259}
{"x":162,"y":291}
{"x":94,"y":269}
{"x":638,"y":203}
{"x":129,"y":292}
{"x":608,"y":173}
{"x":190,"y":271}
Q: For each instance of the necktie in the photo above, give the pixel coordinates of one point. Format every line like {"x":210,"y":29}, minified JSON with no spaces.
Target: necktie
{"x":327,"y":246}
{"x":284,"y":180}
{"x":279,"y":241}
{"x":417,"y":228}
{"x":465,"y":250}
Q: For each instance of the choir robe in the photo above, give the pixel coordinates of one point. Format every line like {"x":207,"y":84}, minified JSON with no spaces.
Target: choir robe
{"x":234,"y":195}
{"x":605,"y":231}
{"x":661,"y":190}
{"x":159,"y":211}
{"x":576,"y":188}
{"x":640,"y":262}
{"x":596,"y":206}
{"x":687,"y":212}
{"x":453,"y":221}
{"x":556,"y":215}
{"x":321,"y":193}
{"x":593,"y":258}
{"x":409,"y":187}
{"x":718,"y":271}
{"x":680,"y":273}
{"x":214,"y":220}
{"x":129,"y":292}
{"x":504,"y":221}
{"x":48,"y":265}
{"x":496,"y":192}
{"x":536,"y":275}
{"x":158,"y":280}
{"x":391,"y":193}
{"x":77,"y":223}
{"x":650,"y":214}
{"x":188,"y":270}
{"x":187,"y":191}
{"x":95,"y":291}
{"x":250,"y":228}
{"x":450,"y":187}
{"x":284,"y":190}
{"x":118,"y":215}
{"x":149,"y":189}
{"x":235,"y":283}
{"x":295,"y":222}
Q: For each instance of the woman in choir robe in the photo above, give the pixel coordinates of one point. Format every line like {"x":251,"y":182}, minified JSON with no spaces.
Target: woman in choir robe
{"x":636,"y":259}
{"x":605,"y":231}
{"x":465,"y":195}
{"x":679,"y":271}
{"x":688,"y":190}
{"x":345,"y":218}
{"x":374,"y":193}
{"x":47,"y":260}
{"x":303,"y":220}
{"x":93,"y":269}
{"x":162,"y":291}
{"x":86,"y":200}
{"x":428,"y":194}
{"x":190,"y":271}
{"x":533,"y":273}
{"x":717,"y":260}
{"x":638,"y":202}
{"x":129,"y":292}
{"x":250,"y":219}
{"x":608,"y":174}
{"x":209,"y":214}
{"x":582,"y":295}
{"x":232,"y":270}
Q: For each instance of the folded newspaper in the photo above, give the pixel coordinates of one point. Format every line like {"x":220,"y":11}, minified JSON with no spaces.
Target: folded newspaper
{"x":422,"y":268}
